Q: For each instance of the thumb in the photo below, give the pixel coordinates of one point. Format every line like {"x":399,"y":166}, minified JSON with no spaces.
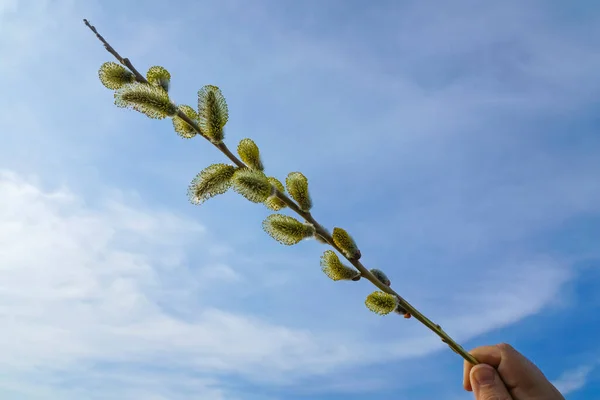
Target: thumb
{"x":487,"y":384}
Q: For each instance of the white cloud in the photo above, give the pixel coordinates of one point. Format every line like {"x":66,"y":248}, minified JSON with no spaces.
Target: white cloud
{"x":83,"y":283}
{"x":504,"y":295}
{"x":573,"y":380}
{"x":79,"y":284}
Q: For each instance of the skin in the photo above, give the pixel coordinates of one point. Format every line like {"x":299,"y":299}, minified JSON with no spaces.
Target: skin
{"x":513,"y":377}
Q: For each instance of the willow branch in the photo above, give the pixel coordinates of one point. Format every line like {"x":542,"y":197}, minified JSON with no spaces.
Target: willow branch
{"x":364,"y":272}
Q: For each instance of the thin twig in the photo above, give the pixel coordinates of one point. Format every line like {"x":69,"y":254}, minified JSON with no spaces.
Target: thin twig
{"x":364,"y":272}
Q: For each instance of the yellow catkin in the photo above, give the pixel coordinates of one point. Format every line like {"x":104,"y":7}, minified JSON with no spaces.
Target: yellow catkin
{"x":213,"y":112}
{"x":297,"y":187}
{"x":147,"y":99}
{"x":213,"y":180}
{"x":344,"y":241}
{"x":159,"y":76}
{"x":252,"y":184}
{"x":182,"y":128}
{"x":114,"y":76}
{"x":250,"y":155}
{"x":287,"y":230}
{"x":335,"y":269}
{"x":381,"y":303}
{"x":273,"y":202}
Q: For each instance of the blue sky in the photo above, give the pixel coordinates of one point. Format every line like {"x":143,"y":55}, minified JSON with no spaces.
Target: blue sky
{"x":457,"y":141}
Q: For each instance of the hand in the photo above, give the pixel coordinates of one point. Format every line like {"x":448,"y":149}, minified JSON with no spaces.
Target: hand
{"x":505,"y":374}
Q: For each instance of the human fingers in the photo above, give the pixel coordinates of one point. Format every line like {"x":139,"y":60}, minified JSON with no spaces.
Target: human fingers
{"x":487,"y":384}
{"x":521,"y":376}
{"x":489,"y":355}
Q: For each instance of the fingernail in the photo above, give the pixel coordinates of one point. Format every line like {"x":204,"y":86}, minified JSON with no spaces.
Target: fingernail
{"x":484,"y":375}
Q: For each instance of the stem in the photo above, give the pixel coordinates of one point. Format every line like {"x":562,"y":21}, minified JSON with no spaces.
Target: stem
{"x":364,"y":272}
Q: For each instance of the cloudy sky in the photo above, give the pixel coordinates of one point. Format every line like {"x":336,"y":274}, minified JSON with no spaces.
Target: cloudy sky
{"x":457,"y":141}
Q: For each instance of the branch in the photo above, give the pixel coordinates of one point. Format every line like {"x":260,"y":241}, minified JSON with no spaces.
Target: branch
{"x":364,"y":272}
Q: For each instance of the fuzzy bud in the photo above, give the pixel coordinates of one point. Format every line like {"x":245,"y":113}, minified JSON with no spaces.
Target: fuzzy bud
{"x":213,"y":180}
{"x":335,"y":269}
{"x":273,"y":202}
{"x":114,"y":76}
{"x":213,"y":112}
{"x":297,"y":186}
{"x":159,"y":76}
{"x":344,"y":241}
{"x":252,"y":184}
{"x":401,"y":311}
{"x":381,"y":303}
{"x":287,"y":230}
{"x":381,"y":276}
{"x":147,"y":99}
{"x":250,"y":155}
{"x":182,"y":128}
